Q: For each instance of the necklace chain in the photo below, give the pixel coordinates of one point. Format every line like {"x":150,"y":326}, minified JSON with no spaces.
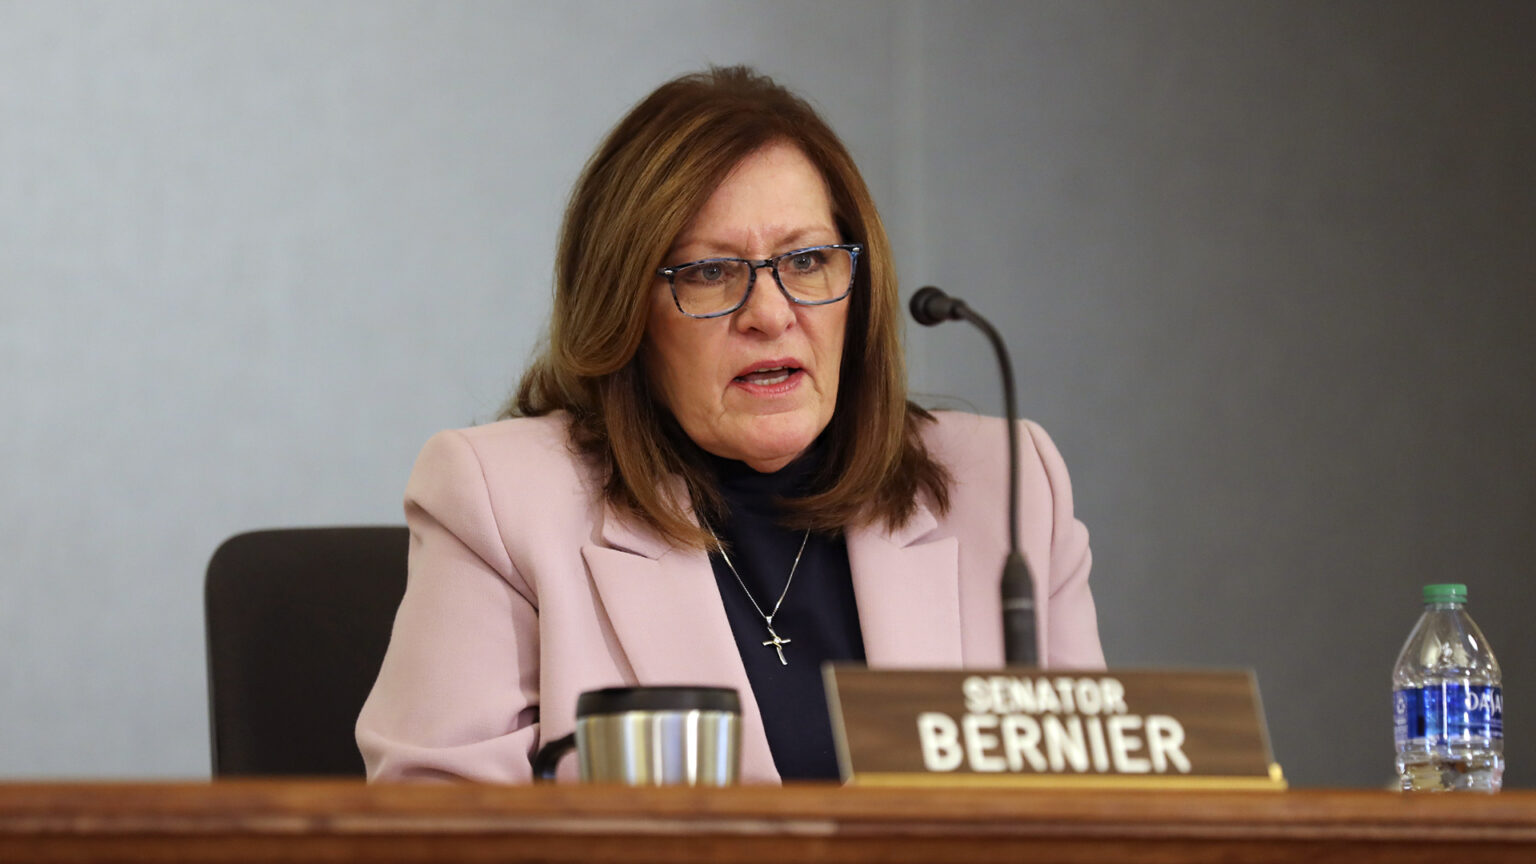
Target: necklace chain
{"x":777,"y":643}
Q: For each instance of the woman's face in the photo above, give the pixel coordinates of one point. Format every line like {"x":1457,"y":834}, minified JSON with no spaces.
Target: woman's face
{"x":760,"y":384}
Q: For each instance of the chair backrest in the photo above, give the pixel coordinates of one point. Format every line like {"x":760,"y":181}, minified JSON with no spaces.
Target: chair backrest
{"x":298,"y":620}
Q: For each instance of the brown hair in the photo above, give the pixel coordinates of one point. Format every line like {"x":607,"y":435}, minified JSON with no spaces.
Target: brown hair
{"x":638,"y":192}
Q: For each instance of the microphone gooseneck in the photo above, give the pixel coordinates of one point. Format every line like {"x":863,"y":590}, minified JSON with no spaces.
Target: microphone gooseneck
{"x":931,"y":306}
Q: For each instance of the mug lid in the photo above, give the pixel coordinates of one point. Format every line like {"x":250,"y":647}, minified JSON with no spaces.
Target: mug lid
{"x":616,"y":700}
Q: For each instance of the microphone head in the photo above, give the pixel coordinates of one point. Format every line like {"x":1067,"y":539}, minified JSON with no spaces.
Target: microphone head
{"x":930,"y":306}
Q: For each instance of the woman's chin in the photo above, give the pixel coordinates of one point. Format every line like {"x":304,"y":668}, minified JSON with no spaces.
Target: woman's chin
{"x":767,"y":456}
{"x":766,"y":443}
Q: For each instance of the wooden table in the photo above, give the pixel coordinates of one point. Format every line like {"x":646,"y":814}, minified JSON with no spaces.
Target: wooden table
{"x":347,"y":821}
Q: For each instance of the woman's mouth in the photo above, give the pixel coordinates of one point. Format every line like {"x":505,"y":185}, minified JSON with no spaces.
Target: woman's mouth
{"x":778,"y":379}
{"x":768,"y":377}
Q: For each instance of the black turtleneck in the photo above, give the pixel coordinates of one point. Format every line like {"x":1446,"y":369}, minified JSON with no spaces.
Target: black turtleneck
{"x":818,"y":617}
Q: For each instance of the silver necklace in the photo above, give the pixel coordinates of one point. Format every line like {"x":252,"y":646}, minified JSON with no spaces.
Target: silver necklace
{"x":775,"y":642}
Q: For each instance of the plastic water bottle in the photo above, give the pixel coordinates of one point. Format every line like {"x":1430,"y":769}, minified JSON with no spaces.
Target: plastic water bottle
{"x":1447,"y":704}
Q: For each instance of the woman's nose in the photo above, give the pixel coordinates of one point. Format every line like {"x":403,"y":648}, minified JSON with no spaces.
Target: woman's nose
{"x":767,"y":310}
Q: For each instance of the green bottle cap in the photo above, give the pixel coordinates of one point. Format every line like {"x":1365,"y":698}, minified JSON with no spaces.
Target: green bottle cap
{"x":1447,"y":593}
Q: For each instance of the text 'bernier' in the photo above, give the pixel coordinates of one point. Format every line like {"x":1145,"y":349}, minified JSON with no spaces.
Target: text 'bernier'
{"x":1050,"y":725}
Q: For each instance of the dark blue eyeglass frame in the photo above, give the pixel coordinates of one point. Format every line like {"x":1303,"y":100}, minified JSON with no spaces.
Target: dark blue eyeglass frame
{"x":853,"y":250}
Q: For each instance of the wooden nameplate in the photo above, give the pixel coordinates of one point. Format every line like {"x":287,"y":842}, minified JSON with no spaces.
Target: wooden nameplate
{"x":1122,"y":728}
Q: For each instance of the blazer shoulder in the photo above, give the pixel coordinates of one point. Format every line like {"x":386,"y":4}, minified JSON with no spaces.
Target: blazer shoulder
{"x":529,"y":447}
{"x":960,"y":432}
{"x":949,"y":427}
{"x":975,"y":449}
{"x":523,"y":470}
{"x":520,"y":433}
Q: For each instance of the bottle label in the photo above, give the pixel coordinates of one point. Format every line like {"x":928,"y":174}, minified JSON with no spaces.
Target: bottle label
{"x":1449,"y":711}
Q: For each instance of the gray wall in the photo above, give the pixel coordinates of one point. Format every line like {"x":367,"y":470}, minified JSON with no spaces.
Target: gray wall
{"x":1269,"y":273}
{"x":1265,"y":269}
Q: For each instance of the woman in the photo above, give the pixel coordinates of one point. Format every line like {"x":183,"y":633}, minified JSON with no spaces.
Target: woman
{"x":712,"y":475}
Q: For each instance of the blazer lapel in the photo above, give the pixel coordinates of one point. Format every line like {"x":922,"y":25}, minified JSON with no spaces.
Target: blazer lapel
{"x":665,"y":610}
{"x":908,"y":591}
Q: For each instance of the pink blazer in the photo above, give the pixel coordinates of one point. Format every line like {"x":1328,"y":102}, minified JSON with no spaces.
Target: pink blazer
{"x":525,"y":589}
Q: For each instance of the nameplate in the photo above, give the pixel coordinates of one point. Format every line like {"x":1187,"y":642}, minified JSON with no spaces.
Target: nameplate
{"x":1156,"y":728}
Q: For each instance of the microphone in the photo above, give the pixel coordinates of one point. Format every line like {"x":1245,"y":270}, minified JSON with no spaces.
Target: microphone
{"x":929,"y":307}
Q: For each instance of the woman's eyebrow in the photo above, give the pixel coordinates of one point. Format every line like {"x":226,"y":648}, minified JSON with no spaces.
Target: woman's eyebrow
{"x":797,"y":238}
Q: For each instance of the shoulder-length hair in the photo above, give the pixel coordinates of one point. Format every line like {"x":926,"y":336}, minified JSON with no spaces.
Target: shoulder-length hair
{"x":638,"y":192}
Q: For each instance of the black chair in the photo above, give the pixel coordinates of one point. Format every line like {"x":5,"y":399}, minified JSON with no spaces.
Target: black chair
{"x":298,"y":620}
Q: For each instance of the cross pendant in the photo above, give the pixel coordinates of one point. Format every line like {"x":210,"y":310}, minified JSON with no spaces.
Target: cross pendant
{"x":778,"y":645}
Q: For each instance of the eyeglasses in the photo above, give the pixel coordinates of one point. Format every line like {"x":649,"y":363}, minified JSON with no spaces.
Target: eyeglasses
{"x":719,"y":286}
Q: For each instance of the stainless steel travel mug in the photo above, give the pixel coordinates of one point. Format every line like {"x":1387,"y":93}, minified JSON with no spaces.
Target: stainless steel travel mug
{"x":652,"y":736}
